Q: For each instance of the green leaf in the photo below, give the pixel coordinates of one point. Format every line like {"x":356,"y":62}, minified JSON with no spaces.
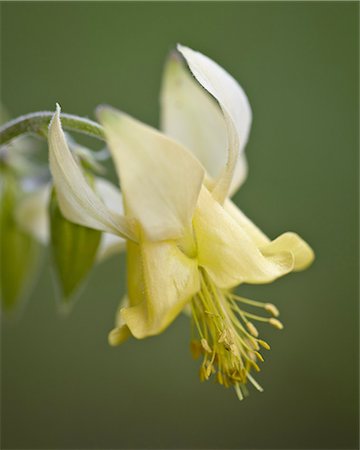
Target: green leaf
{"x":74,"y":249}
{"x":19,"y":252}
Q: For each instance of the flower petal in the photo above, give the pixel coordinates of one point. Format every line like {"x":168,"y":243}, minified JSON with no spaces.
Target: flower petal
{"x":237,"y":115}
{"x":255,"y":234}
{"x":226,"y":251}
{"x":110,"y":244}
{"x":77,"y":200}
{"x":159,"y":288}
{"x":192,"y":117}
{"x":303,"y":253}
{"x":121,"y":332}
{"x":32,"y":214}
{"x":289,"y":242}
{"x":160,"y":180}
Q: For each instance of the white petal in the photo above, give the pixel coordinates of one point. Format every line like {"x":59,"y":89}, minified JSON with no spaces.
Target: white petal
{"x":111,"y":195}
{"x":240,"y":174}
{"x":32,"y":214}
{"x":191,"y":116}
{"x":160,"y":180}
{"x":237,"y":114}
{"x":77,"y":200}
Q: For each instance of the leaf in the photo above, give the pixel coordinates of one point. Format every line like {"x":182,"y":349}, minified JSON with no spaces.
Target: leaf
{"x":19,"y":252}
{"x":74,"y":249}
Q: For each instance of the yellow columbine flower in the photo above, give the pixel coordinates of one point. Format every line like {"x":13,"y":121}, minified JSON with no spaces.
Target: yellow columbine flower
{"x":187,"y":243}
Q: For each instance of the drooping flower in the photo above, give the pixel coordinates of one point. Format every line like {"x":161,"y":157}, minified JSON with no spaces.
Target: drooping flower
{"x":187,"y":244}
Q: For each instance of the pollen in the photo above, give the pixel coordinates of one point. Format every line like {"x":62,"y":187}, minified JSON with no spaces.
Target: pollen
{"x":272,"y":309}
{"x":205,"y":345}
{"x":276,"y":323}
{"x":225,"y":337}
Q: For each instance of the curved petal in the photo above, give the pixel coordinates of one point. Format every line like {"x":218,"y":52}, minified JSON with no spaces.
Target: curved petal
{"x":160,"y":288}
{"x":160,"y":180}
{"x":78,"y":201}
{"x":110,"y":244}
{"x":32,"y":214}
{"x":192,"y":117}
{"x":236,"y":110}
{"x":121,"y":332}
{"x":226,"y":251}
{"x":255,"y":234}
{"x":291,"y":242}
{"x":240,"y":174}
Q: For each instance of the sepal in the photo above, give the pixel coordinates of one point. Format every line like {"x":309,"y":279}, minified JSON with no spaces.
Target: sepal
{"x":19,"y":251}
{"x":74,"y":248}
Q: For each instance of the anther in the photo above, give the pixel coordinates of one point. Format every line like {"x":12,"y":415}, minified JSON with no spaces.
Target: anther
{"x":252,"y":329}
{"x":226,"y":381}
{"x":272,"y":309}
{"x":219,"y":378}
{"x":276,"y":323}
{"x":234,"y":350}
{"x":259,"y":356}
{"x":264,"y":344}
{"x":205,"y":345}
{"x":222,"y":337}
{"x":209,"y":369}
{"x":202,"y":373}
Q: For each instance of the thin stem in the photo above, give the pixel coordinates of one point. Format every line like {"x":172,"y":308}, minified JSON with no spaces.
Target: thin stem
{"x":38,"y":122}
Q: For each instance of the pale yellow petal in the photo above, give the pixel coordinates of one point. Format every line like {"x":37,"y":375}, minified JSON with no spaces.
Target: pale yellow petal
{"x":121,"y":332}
{"x":226,"y":251}
{"x":165,"y":282}
{"x":32,"y":213}
{"x":160,"y":180}
{"x":291,"y":242}
{"x":253,"y":231}
{"x":118,"y":335}
{"x":237,"y":114}
{"x":78,"y":201}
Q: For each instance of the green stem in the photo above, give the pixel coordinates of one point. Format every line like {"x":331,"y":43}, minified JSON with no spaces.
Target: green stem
{"x":38,"y":122}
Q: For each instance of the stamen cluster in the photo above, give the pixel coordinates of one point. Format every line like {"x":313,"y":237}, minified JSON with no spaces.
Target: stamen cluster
{"x":226,"y":338}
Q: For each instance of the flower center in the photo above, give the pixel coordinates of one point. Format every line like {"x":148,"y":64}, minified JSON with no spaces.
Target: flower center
{"x":225,"y":336}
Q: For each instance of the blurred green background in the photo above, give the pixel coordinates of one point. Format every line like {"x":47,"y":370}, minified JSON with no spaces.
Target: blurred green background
{"x":62,"y":385}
